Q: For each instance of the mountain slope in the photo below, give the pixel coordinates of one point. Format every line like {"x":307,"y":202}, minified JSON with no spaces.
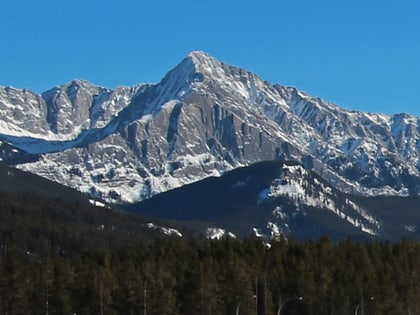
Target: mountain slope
{"x":273,"y":198}
{"x":204,"y":118}
{"x":40,"y":218}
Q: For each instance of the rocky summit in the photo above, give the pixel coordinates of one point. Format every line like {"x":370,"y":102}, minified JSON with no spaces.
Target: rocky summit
{"x":204,"y":118}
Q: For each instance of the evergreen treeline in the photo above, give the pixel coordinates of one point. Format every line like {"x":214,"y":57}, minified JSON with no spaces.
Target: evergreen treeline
{"x":55,"y":226}
{"x":61,"y":257}
{"x":195,"y":276}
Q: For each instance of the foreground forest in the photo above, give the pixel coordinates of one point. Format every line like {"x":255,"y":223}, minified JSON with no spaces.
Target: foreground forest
{"x":59,"y":256}
{"x":197,"y":276}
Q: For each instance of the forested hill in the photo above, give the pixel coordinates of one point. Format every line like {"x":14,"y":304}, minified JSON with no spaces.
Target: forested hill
{"x":15,"y":180}
{"x":42,"y":218}
{"x":43,"y":226}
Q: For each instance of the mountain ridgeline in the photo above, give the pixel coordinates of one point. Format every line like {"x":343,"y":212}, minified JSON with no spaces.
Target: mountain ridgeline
{"x":203,"y":194}
{"x":204,"y":118}
{"x":217,"y":141}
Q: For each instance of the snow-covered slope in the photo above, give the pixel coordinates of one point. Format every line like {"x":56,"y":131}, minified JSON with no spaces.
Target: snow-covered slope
{"x":205,"y":117}
{"x":306,"y":191}
{"x":274,"y":198}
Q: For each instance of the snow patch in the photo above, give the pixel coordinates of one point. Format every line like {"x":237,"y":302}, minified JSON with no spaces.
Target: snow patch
{"x":165,"y":230}
{"x":410,"y":228}
{"x":217,"y":233}
{"x":98,"y":203}
{"x":294,"y":183}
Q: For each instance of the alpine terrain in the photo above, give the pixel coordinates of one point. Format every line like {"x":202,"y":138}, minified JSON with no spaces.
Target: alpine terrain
{"x":273,"y":198}
{"x":203,"y":119}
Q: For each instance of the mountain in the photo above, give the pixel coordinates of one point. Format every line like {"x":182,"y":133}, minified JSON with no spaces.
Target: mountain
{"x":276,"y":198}
{"x":203,"y":119}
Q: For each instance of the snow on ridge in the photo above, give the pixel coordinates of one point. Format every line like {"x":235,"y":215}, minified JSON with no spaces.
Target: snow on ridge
{"x":275,"y":111}
{"x":13,"y":130}
{"x":410,"y":228}
{"x":165,"y":230}
{"x":215,"y":233}
{"x":98,"y":203}
{"x":257,"y":232}
{"x":275,"y":230}
{"x":292,"y":184}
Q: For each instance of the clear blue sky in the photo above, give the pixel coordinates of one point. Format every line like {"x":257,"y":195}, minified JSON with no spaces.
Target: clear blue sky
{"x":358,"y":54}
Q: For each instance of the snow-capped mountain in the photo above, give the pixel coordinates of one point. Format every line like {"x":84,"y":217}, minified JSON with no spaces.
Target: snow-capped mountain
{"x":204,"y":118}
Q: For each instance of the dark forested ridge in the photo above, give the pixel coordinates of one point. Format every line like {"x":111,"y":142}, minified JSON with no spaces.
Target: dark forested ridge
{"x":45,"y":226}
{"x":176,"y":276}
{"x":14,"y":180}
{"x":51,"y":250}
{"x":233,"y":202}
{"x":45,"y":218}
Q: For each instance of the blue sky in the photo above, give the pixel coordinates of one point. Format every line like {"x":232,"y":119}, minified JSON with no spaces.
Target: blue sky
{"x":362,"y":55}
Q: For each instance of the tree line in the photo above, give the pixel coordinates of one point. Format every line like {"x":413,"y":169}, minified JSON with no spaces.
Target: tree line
{"x":60,"y":257}
{"x":229,"y":276}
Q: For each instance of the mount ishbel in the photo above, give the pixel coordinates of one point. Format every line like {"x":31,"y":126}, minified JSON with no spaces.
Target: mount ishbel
{"x":204,"y":119}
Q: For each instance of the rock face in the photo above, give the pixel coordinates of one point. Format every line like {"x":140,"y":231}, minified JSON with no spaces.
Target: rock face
{"x":204,"y":118}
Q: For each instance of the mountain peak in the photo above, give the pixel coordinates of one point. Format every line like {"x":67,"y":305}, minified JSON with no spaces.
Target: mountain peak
{"x":203,"y":118}
{"x":192,"y":68}
{"x":199,"y":53}
{"x":202,"y":61}
{"x":199,"y":56}
{"x":78,"y":84}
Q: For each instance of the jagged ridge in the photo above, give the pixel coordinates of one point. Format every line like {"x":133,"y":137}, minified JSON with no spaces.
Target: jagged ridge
{"x":205,"y":117}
